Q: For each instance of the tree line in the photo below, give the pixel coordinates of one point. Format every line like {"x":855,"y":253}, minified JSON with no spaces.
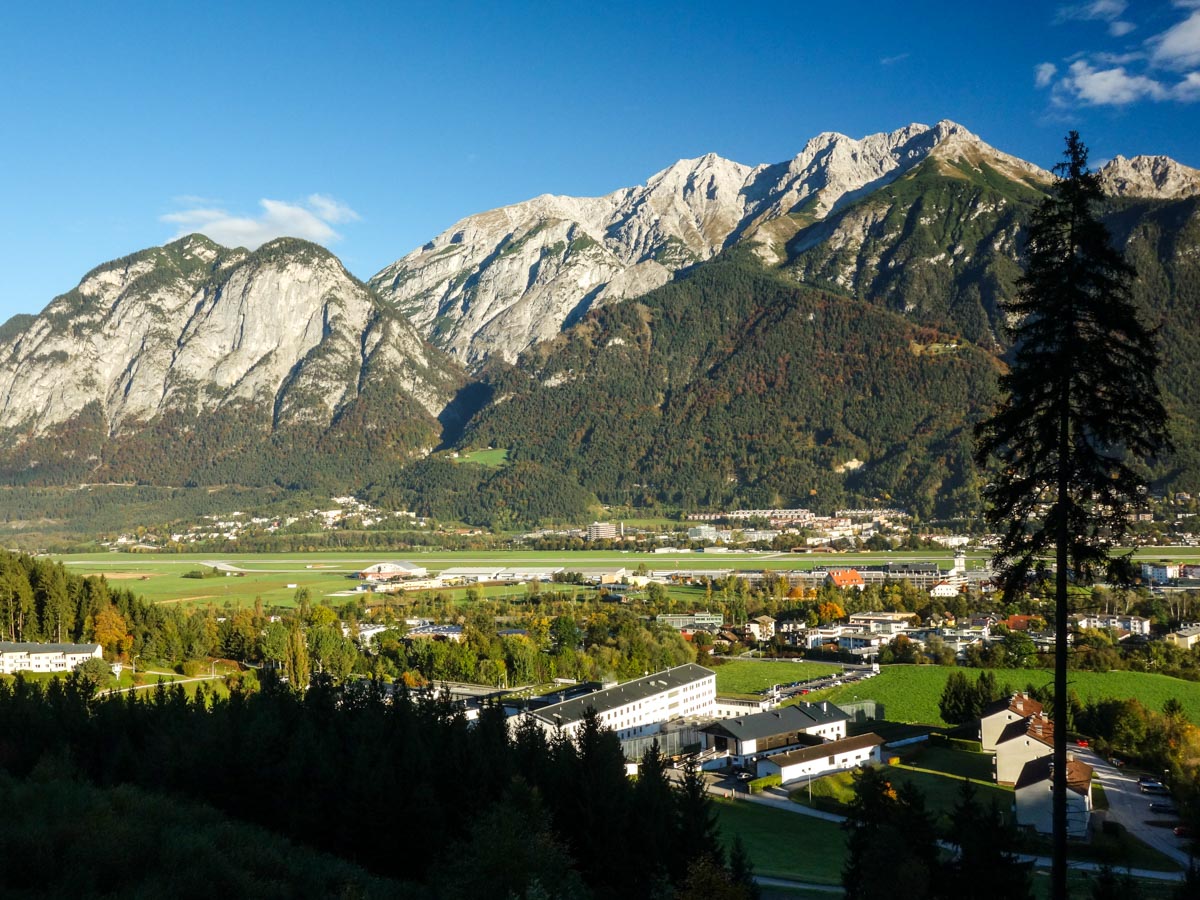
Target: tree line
{"x":468,"y":810}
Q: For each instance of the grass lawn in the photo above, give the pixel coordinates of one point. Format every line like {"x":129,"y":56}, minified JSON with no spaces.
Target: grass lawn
{"x":493,"y":459}
{"x":747,"y":677}
{"x":951,"y":761}
{"x":1121,"y":850}
{"x":784,"y":844}
{"x":911,"y":693}
{"x":941,"y":792}
{"x":1080,"y":884}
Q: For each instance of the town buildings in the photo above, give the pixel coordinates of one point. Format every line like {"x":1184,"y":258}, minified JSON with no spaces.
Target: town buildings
{"x":29,"y":657}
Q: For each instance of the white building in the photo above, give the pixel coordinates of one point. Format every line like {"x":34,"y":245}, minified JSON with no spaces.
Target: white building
{"x":387,"y":570}
{"x":753,"y":737}
{"x":762,"y":627}
{"x":469,"y":575}
{"x":732,"y":708}
{"x":530,"y":573}
{"x":883,"y":622}
{"x":833,"y":756}
{"x":639,"y":707}
{"x":599,"y":531}
{"x":1034,"y":793}
{"x":437,"y":632}
{"x":27,"y":657}
{"x":1160,"y":572}
{"x":1003,"y":713}
{"x":1021,"y":743}
{"x":1132,"y":624}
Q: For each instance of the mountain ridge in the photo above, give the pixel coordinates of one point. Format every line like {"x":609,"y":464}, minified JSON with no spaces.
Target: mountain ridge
{"x":497,"y":282}
{"x":655,"y":349}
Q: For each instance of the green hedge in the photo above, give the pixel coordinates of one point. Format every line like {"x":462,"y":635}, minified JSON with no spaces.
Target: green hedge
{"x":760,"y":784}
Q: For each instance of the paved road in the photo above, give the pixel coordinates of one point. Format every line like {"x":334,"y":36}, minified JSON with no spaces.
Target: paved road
{"x":1129,"y":806}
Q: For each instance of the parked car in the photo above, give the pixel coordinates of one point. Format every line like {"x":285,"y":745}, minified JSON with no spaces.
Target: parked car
{"x":1082,"y":742}
{"x":1183,"y":831}
{"x":1149,"y":779}
{"x":1165,"y":808}
{"x":1154,"y":788}
{"x":1116,"y":762}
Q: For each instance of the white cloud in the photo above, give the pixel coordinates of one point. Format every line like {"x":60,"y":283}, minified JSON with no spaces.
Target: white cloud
{"x":1179,"y":46}
{"x":1188,"y":90}
{"x":312,"y":220}
{"x":331,"y":210}
{"x":1107,"y":78}
{"x":1105,"y":87}
{"x":889,"y":60}
{"x":1104,"y":10}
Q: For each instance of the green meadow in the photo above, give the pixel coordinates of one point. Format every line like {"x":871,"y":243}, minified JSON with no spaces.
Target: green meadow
{"x":744,"y":677}
{"x":784,"y":844}
{"x":911,"y":693}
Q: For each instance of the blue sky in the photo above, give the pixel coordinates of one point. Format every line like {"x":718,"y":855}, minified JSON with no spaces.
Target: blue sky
{"x":370,"y":127}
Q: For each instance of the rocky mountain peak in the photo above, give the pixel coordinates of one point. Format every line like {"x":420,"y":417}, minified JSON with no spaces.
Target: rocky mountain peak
{"x":1159,"y":177}
{"x":194,"y":326}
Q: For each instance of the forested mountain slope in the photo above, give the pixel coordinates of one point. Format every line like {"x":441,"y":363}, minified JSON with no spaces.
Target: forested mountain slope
{"x":732,"y":386}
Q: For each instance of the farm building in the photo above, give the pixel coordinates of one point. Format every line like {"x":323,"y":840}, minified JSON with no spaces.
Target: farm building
{"x":821,"y":759}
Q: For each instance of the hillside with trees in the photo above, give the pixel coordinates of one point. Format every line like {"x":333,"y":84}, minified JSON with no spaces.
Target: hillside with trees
{"x":734,"y":387}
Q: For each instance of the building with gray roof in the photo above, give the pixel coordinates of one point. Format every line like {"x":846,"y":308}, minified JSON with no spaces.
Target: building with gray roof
{"x":639,"y":707}
{"x":752,"y":737}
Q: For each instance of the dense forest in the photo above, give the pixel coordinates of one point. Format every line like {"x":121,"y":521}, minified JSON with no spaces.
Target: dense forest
{"x":414,"y":791}
{"x":734,"y":387}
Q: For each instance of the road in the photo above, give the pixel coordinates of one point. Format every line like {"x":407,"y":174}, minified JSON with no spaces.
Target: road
{"x":1129,"y":806}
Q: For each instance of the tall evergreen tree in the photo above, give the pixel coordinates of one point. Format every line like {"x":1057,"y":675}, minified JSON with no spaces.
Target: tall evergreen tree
{"x":1080,"y":411}
{"x":986,"y":866}
{"x":697,"y":819}
{"x":892,"y":845}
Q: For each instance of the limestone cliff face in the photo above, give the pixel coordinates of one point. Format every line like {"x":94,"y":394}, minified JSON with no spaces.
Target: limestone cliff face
{"x":497,"y":282}
{"x":193,"y":327}
{"x":1156,"y":177}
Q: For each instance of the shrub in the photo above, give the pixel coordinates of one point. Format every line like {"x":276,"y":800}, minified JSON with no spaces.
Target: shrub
{"x":759,"y":784}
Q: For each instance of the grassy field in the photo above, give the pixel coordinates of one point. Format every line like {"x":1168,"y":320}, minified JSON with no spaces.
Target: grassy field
{"x":911,"y":693}
{"x":744,"y":677}
{"x":784,"y":844}
{"x":493,"y":459}
{"x":941,"y":790}
{"x":158,"y":575}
